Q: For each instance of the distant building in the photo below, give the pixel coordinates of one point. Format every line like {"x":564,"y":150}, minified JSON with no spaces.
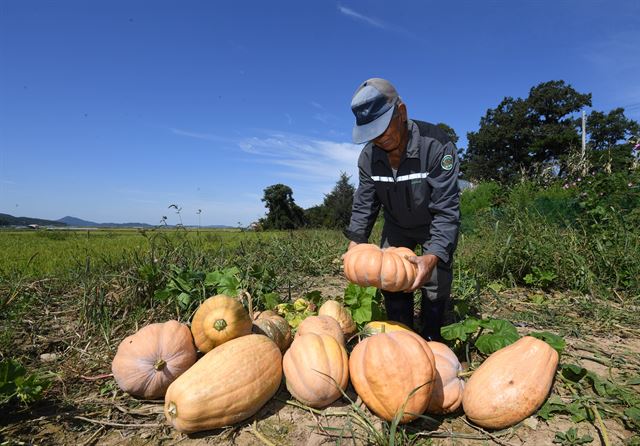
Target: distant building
{"x":34,"y":226}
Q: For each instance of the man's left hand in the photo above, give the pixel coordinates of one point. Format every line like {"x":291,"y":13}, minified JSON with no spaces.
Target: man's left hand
{"x":425,"y":265}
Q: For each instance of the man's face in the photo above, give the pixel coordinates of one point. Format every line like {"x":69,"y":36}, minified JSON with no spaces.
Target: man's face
{"x":392,"y":137}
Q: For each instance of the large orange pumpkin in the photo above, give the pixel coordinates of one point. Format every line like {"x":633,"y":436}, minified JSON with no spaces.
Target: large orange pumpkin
{"x":152,"y":358}
{"x":274,"y":326}
{"x":321,"y":325}
{"x":316,"y":367}
{"x":217,"y":320}
{"x":337,"y":311}
{"x":385,"y":368}
{"x":511,"y":384}
{"x":385,"y":268}
{"x":227,"y":385}
{"x":449,"y":388}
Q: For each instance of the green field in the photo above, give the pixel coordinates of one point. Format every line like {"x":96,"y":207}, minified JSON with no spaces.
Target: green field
{"x":533,"y":258}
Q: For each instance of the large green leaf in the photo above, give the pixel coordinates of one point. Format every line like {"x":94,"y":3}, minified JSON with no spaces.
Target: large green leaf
{"x":460,"y":330}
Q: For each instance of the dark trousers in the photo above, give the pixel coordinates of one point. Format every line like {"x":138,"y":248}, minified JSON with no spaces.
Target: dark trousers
{"x":436,"y":292}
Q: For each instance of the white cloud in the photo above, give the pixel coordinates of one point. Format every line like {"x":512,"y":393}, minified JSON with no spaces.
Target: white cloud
{"x":314,"y":159}
{"x":362,"y":17}
{"x":376,"y":23}
{"x":203,"y":136}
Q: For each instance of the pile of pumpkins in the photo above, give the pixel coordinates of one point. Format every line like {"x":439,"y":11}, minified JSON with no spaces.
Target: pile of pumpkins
{"x":392,"y":368}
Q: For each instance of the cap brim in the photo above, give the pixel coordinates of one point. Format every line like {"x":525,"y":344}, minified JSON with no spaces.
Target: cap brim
{"x":367,"y":132}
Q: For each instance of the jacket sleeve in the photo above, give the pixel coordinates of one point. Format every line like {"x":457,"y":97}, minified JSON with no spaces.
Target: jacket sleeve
{"x":366,"y":204}
{"x":444,"y":203}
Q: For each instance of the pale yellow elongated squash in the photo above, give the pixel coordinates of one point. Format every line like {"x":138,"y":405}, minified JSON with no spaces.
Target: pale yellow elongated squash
{"x":449,"y":388}
{"x":227,"y":385}
{"x":511,"y":384}
{"x":316,"y":367}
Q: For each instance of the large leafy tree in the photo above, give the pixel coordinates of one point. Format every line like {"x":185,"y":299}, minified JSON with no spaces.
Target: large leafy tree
{"x":609,"y":135}
{"x":339,"y":202}
{"x":283,"y":213}
{"x":335,"y":210}
{"x":521,"y":135}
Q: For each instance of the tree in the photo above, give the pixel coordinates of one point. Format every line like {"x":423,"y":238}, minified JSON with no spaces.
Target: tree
{"x":335,"y":210}
{"x":283,"y":213}
{"x":449,"y":131}
{"x":609,"y":135}
{"x":338,"y":203}
{"x":521,"y":135}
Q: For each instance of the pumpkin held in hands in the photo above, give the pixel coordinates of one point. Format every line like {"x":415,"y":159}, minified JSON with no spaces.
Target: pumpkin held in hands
{"x":217,"y":320}
{"x":316,"y":367}
{"x":152,"y":358}
{"x":388,"y":370}
{"x":227,"y":385}
{"x":511,"y":384}
{"x":384,"y":268}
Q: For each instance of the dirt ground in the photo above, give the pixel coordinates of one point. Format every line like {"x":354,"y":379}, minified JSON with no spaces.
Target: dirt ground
{"x":84,"y":407}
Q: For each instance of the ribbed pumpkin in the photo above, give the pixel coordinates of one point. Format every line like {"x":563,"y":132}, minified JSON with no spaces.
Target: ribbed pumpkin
{"x":385,"y":268}
{"x":314,"y":367}
{"x":152,"y":358}
{"x":270,"y":324}
{"x":511,"y":384}
{"x":227,"y":385}
{"x":217,"y":320}
{"x":385,"y":368}
{"x":375,"y":327}
{"x":449,"y":388}
{"x":337,"y":311}
{"x":321,"y":325}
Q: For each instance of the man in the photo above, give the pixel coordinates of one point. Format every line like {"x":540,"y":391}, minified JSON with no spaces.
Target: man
{"x":410,"y":169}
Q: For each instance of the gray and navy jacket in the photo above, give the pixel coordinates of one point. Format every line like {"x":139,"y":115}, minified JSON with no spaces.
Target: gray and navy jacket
{"x":424,"y":193}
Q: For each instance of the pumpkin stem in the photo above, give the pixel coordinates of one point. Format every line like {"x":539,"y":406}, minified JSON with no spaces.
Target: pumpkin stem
{"x":159,"y":364}
{"x":220,"y":324}
{"x":382,"y":329}
{"x":172,"y":409}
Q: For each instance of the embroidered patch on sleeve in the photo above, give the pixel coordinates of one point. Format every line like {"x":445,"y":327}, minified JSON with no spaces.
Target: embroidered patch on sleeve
{"x":447,"y":162}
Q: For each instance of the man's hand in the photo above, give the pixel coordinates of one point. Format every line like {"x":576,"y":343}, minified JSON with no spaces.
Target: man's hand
{"x":351,"y":245}
{"x":425,"y":265}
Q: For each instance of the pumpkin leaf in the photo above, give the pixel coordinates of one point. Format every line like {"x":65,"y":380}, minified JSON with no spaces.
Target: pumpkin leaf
{"x":460,"y":330}
{"x":555,"y":341}
{"x":492,"y":342}
{"x":503,"y":333}
{"x":573,"y":372}
{"x":553,"y":405}
{"x":361,"y":303}
{"x":271,"y":300}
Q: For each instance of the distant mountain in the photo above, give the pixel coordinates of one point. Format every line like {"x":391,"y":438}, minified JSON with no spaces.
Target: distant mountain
{"x":10,"y":220}
{"x":68,"y":221}
{"x":78,"y":222}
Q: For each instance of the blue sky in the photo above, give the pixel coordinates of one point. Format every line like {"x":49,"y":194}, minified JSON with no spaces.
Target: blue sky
{"x":112,"y":110}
